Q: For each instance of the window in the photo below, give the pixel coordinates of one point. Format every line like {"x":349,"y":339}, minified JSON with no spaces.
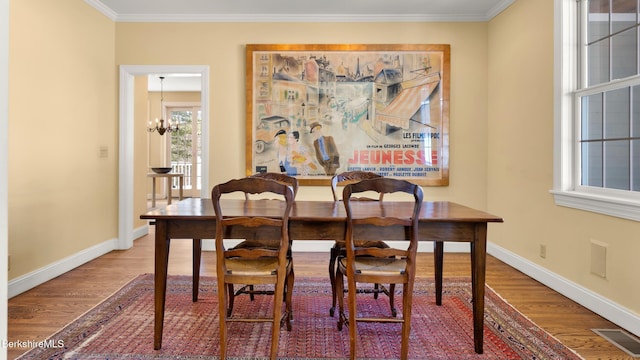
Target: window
{"x":597,"y":146}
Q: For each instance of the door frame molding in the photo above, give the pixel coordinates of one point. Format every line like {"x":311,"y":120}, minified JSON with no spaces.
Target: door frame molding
{"x":126,"y":142}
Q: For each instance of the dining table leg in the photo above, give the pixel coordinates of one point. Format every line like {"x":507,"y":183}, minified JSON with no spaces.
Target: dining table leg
{"x":197,"y":256}
{"x":478,"y":268}
{"x":438,"y":259}
{"x":160,"y":286}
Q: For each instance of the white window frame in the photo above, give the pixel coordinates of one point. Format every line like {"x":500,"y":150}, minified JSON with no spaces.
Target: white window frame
{"x":567,"y":190}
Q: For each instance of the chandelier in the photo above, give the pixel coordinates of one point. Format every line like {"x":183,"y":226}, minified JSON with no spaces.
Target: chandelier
{"x":159,"y":124}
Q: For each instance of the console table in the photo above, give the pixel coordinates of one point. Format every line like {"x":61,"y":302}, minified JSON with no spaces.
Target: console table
{"x":168,"y":176}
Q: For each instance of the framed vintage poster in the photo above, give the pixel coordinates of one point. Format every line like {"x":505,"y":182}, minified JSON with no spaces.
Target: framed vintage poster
{"x":317,"y":110}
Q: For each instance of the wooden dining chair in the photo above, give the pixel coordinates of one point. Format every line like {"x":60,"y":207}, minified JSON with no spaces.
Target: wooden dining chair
{"x":253,"y":266}
{"x":376,"y":265}
{"x":261,"y":243}
{"x":338,"y":181}
{"x":197,"y":244}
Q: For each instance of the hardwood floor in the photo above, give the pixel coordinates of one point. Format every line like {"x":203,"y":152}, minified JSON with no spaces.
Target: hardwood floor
{"x":37,"y":313}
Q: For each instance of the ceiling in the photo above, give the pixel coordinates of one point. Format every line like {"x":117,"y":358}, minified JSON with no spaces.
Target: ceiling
{"x":299,"y":10}
{"x":174,"y":82}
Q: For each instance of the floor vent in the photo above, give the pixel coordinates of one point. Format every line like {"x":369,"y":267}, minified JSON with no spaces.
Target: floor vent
{"x":619,"y":338}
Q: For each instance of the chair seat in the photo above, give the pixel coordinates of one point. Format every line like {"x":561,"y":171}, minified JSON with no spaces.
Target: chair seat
{"x":253,"y":267}
{"x":376,"y":266}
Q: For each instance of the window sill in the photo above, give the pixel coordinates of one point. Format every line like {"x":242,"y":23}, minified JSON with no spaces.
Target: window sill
{"x":606,"y":205}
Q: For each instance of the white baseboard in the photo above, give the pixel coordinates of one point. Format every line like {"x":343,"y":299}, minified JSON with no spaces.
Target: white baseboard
{"x":602,"y":306}
{"x":140,"y":232}
{"x":325,"y":245}
{"x":28,"y":281}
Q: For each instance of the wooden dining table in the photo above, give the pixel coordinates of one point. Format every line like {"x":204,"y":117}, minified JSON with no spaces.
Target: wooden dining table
{"x":440,"y":221}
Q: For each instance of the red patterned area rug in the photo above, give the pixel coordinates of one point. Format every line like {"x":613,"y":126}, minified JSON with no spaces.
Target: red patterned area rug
{"x":121,"y":327}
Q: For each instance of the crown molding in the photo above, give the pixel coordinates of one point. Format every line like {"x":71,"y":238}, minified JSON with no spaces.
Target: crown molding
{"x":500,"y":7}
{"x":105,"y":10}
{"x":302,"y":18}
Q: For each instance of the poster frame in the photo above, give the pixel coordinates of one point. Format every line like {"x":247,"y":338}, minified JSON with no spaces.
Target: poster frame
{"x":288,"y":85}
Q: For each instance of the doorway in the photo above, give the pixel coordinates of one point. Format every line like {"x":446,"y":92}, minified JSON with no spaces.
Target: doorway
{"x":126,"y":216}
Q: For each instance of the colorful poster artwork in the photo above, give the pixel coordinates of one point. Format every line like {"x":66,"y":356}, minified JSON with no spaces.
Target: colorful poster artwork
{"x":314,"y":111}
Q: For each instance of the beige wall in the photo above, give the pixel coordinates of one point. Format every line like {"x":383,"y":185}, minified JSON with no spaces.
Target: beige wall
{"x":63,"y":196}
{"x":520,"y":168}
{"x":222,"y":45}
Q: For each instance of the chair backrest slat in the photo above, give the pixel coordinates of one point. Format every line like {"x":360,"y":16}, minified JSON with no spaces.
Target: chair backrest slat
{"x":283,"y":178}
{"x":350,"y":177}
